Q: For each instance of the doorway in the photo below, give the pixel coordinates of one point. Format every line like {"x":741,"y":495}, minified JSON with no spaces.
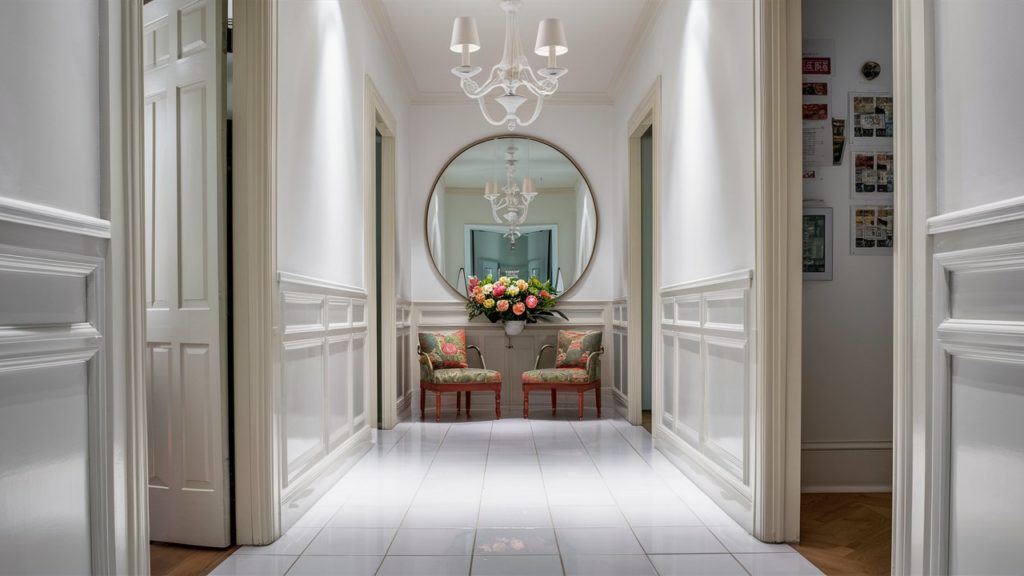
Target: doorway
{"x":646,"y":280}
{"x":187,"y":247}
{"x":847,"y":303}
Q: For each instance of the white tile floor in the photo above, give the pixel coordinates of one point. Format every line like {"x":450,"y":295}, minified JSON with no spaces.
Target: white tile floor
{"x":516,"y":497}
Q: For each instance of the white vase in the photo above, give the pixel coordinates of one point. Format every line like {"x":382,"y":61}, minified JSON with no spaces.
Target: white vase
{"x":514,"y":327}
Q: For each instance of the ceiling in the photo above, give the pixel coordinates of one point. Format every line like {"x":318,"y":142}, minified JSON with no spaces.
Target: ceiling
{"x":602,"y":35}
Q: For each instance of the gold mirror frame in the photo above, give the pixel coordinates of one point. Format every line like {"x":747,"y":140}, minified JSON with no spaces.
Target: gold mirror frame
{"x":593,"y":198}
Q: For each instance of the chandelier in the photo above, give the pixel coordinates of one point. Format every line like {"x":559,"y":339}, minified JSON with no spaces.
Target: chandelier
{"x":510,"y":203}
{"x":514,"y":71}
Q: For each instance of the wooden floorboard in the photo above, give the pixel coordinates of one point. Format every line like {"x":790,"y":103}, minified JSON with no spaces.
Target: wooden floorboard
{"x":846,"y":534}
{"x":177,"y":560}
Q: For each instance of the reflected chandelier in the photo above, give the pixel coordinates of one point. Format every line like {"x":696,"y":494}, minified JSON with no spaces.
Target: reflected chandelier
{"x":510,"y":203}
{"x":514,"y":71}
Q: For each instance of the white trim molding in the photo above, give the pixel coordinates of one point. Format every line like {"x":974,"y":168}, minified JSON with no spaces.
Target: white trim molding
{"x":646,"y":115}
{"x":258,"y":458}
{"x":49,"y":218}
{"x":845,"y":467}
{"x":777,"y":269}
{"x":1009,"y":210}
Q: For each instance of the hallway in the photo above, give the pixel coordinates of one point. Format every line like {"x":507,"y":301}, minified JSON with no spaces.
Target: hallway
{"x":512,"y":496}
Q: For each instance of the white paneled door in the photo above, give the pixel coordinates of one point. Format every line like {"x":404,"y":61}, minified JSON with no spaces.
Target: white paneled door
{"x":189,"y":489}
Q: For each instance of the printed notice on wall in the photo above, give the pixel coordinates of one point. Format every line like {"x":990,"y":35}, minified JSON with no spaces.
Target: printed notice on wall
{"x":817,"y":105}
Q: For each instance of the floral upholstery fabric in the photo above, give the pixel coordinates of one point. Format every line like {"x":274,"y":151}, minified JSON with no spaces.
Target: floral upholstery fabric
{"x":557,"y":376}
{"x":446,"y":349}
{"x":464,"y":376}
{"x":575,"y":347}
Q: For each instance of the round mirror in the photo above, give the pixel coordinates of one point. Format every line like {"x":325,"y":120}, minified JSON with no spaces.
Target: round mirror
{"x":511,"y":206}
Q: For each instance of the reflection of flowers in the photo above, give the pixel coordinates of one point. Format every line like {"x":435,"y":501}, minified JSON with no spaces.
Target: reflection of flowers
{"x":503,"y":544}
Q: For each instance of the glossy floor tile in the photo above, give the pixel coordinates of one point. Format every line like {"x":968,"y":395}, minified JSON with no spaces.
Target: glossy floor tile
{"x":515,"y":497}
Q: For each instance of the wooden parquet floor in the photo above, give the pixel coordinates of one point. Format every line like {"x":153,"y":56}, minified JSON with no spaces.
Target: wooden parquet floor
{"x":175,"y":560}
{"x":846,"y":534}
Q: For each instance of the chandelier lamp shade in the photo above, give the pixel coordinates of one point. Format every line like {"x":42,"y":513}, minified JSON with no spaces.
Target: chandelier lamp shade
{"x":512,"y":79}
{"x":510,"y":203}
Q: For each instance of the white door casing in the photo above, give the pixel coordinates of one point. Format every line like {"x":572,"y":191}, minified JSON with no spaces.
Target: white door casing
{"x":186,"y":366}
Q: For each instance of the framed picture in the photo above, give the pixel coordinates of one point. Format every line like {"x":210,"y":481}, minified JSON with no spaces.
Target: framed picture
{"x":871,"y":118}
{"x":873,"y":177}
{"x":817,"y":250}
{"x":871,"y":228}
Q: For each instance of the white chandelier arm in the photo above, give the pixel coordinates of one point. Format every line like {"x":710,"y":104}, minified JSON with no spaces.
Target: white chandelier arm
{"x":495,"y":206}
{"x":487,"y":115}
{"x":536,"y":112}
{"x":474,"y":90}
{"x":545,"y":87}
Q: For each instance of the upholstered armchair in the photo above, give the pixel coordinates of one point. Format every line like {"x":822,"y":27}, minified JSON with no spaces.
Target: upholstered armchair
{"x":444,"y":367}
{"x":577,"y":368}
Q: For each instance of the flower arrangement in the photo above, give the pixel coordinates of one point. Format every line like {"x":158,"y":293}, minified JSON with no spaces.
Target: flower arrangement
{"x":511,"y":299}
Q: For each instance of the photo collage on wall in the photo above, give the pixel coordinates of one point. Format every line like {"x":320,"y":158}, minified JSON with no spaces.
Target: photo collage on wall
{"x":872,"y":173}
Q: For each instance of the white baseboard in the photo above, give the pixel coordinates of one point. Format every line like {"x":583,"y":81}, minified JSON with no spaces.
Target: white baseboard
{"x":307,"y":489}
{"x":857,"y":466}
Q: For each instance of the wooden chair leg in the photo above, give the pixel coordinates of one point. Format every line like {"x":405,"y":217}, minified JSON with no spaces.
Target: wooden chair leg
{"x":437,"y":411}
{"x":526,"y":404}
{"x":423,"y":402}
{"x":468,"y":396}
{"x":597,"y":391}
{"x":497,"y":404}
{"x":554,"y":401}
{"x":579,"y":404}
{"x":458,"y":403}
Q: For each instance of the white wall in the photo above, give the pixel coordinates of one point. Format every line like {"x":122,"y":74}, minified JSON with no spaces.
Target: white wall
{"x":847,"y":327}
{"x":325,"y":51}
{"x":583,"y":131}
{"x":50,"y":142}
{"x":703,"y":51}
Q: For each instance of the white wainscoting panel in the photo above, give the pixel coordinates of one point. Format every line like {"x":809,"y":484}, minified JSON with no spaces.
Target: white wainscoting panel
{"x":51,"y":374}
{"x":707,"y":387}
{"x":323,"y":366}
{"x":978,"y":373}
{"x":620,"y":356}
{"x":515,"y":355}
{"x":406,"y":370}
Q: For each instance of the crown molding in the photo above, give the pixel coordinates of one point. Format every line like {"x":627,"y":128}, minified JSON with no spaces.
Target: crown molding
{"x":559,"y":99}
{"x":641,"y":30}
{"x":378,"y":14}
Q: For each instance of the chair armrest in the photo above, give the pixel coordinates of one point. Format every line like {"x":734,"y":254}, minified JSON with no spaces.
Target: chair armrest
{"x":594,"y":364}
{"x":478,"y":353}
{"x":425,"y":362}
{"x":536,"y":365}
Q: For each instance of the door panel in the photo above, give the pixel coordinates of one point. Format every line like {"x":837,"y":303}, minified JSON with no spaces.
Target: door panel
{"x":185,"y":273}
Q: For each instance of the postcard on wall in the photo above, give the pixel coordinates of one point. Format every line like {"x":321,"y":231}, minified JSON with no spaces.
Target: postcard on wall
{"x":838,"y":140}
{"x":871,"y":118}
{"x":817,"y":243}
{"x":817,"y":103}
{"x":817,"y":57}
{"x":872,"y":230}
{"x":874,"y":178}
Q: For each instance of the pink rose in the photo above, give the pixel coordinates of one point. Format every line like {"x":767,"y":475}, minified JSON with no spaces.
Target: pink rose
{"x":499,"y":289}
{"x":449,"y":349}
{"x":502,"y":305}
{"x":519,"y":309}
{"x":473,"y":282}
{"x":531,"y":302}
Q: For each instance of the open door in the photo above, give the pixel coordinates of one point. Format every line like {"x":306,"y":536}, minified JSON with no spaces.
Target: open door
{"x":186,"y":333}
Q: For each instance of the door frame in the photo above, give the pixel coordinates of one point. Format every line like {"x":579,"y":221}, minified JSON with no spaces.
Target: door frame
{"x":257,"y":360}
{"x":646,"y":115}
{"x":777,"y":271}
{"x":378,"y":118}
{"x":119,"y":499}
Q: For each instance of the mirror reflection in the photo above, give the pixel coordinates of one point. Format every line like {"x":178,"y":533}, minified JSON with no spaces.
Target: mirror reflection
{"x":511,"y":207}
